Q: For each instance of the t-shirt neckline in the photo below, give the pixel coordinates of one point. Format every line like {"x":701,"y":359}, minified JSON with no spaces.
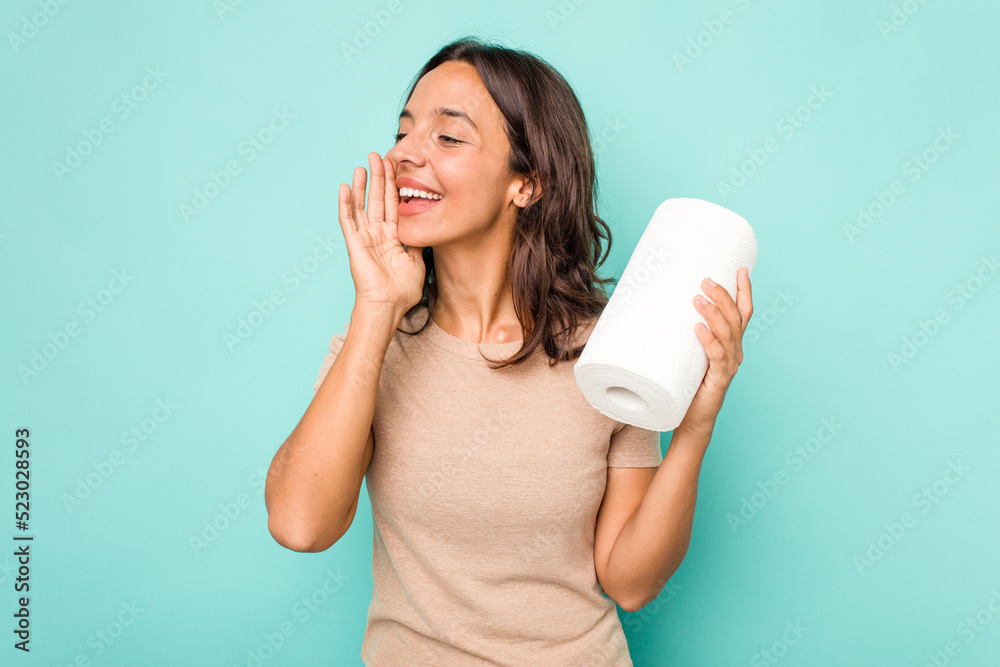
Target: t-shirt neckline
{"x":467,"y":348}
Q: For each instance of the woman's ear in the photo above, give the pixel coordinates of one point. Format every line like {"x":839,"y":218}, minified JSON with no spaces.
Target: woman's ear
{"x":529,"y":192}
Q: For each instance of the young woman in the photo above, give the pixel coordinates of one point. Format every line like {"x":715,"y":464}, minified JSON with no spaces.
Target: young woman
{"x":509,"y":515}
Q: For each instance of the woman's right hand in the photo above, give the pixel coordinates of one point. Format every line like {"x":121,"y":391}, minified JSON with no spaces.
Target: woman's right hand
{"x":387,"y":277}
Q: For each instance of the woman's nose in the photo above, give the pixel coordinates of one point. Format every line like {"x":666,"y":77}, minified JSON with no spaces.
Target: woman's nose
{"x":405,"y":149}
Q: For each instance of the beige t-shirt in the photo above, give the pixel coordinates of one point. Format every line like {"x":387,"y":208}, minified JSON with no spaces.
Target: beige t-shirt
{"x":484,"y":488}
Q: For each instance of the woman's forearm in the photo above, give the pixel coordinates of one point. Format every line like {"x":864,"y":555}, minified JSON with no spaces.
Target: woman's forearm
{"x":315,"y":478}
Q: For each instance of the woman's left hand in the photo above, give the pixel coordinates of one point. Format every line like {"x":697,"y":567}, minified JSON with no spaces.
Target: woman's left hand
{"x":723,"y":343}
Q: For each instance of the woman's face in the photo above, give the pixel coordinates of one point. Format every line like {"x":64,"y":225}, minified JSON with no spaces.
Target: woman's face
{"x":462,"y":158}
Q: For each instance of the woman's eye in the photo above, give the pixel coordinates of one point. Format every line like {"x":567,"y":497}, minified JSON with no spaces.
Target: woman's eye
{"x":400,"y":135}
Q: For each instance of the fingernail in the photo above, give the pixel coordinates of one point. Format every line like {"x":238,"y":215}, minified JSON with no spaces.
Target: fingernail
{"x":710,"y":282}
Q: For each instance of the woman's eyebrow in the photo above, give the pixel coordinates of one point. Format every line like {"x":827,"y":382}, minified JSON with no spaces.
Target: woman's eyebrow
{"x":444,"y":111}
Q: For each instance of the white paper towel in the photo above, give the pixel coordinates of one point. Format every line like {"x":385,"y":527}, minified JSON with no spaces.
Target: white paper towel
{"x":643,"y":362}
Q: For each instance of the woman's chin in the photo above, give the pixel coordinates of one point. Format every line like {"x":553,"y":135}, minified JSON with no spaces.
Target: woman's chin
{"x":409,"y":235}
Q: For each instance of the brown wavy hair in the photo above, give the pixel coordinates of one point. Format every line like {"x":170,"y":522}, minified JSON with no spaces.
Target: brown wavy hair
{"x":558,"y":236}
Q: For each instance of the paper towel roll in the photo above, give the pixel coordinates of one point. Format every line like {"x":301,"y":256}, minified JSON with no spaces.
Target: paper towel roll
{"x":643,"y":362}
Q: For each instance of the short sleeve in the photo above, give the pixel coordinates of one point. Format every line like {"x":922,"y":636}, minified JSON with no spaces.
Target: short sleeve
{"x":634,"y":447}
{"x":336,"y":343}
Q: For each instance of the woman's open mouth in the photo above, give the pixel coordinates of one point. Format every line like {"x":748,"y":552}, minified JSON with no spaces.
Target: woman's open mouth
{"x":413,"y":205}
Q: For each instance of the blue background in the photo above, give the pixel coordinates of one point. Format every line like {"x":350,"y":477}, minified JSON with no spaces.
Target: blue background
{"x":859,"y":139}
